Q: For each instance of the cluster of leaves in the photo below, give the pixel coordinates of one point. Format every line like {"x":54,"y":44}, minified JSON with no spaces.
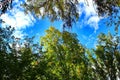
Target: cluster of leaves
{"x":4,"y":5}
{"x":65,"y":56}
{"x":105,"y":59}
{"x":107,"y":7}
{"x":111,"y":10}
{"x":60,"y":57}
{"x":65,"y":10}
{"x":14,"y":63}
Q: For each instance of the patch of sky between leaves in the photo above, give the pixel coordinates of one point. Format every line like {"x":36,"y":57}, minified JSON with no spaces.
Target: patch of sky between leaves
{"x":88,"y":19}
{"x":18,"y":19}
{"x":88,"y":14}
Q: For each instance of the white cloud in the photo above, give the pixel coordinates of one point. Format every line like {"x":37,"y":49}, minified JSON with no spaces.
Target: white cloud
{"x":18,"y":19}
{"x":93,"y":22}
{"x":91,"y":17}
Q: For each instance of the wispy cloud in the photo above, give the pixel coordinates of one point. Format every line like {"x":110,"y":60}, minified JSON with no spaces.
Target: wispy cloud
{"x":93,"y":22}
{"x":87,"y":7}
{"x":18,"y":19}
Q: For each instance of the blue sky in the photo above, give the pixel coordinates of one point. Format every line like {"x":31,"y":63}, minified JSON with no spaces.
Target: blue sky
{"x":88,"y":27}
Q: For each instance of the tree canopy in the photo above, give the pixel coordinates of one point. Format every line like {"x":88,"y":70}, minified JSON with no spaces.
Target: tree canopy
{"x":66,"y":10}
{"x":105,"y":59}
{"x":65,"y":56}
{"x":60,"y":55}
{"x":107,"y":7}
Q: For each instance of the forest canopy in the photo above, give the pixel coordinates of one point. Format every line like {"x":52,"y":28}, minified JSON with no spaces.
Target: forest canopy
{"x":60,"y":55}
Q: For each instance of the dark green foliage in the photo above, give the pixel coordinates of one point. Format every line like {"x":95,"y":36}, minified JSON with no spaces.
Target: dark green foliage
{"x":60,"y":57}
{"x":5,"y":38}
{"x":105,"y":60}
{"x":14,"y":63}
{"x":107,"y":7}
